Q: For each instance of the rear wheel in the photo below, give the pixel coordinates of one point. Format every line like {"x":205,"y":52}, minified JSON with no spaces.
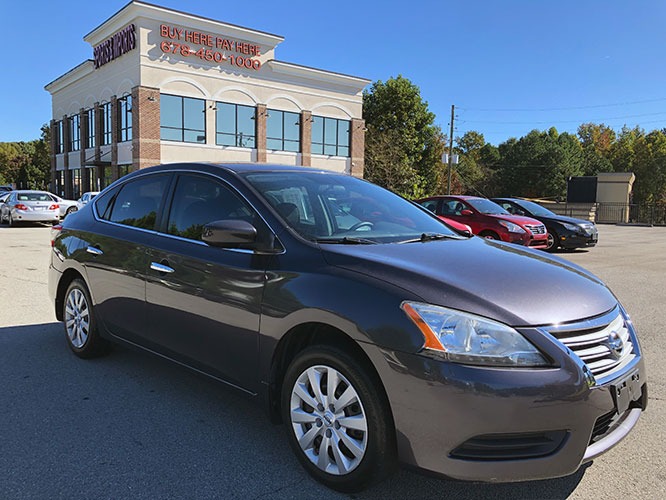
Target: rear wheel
{"x":71,"y":209}
{"x":338,"y":424}
{"x":552,"y":242}
{"x":80,"y":326}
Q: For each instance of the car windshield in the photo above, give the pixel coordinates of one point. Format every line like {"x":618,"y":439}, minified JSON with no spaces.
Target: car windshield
{"x":344,"y":209}
{"x":33,"y":197}
{"x":535,"y":209}
{"x":486,"y":206}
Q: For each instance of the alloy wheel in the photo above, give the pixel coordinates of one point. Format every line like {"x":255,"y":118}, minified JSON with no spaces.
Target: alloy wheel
{"x":77,"y":318}
{"x":328,"y":420}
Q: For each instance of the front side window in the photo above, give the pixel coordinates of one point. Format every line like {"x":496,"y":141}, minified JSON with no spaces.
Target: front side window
{"x":330,"y":136}
{"x":341,"y":208}
{"x":74,"y":130}
{"x":90,"y":121}
{"x":138,"y":202}
{"x":235,"y":125}
{"x":283,"y":131}
{"x":199,"y":200}
{"x":125,"y":118}
{"x":105,"y":110}
{"x":182,"y":119}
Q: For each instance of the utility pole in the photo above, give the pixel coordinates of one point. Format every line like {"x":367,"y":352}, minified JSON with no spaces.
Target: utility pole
{"x":450,"y":162}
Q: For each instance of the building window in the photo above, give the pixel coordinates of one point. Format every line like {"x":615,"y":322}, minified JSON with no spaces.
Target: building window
{"x":330,"y":136}
{"x":60,"y":137}
{"x":182,"y":119}
{"x":76,"y":182}
{"x":74,"y":130}
{"x":90,"y":121}
{"x":105,"y":110}
{"x":125,"y":118}
{"x":283,"y":131}
{"x":235,"y":125}
{"x":123,"y":170}
{"x":107,"y":173}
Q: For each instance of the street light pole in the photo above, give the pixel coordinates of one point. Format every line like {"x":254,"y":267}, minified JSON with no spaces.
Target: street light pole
{"x":450,"y":162}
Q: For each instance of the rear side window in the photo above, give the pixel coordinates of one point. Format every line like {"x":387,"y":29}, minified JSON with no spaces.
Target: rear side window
{"x":137,"y":203}
{"x":430,"y":205}
{"x":199,"y":200}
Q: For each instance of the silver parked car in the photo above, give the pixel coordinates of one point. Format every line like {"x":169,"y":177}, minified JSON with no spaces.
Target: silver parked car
{"x":29,"y":206}
{"x":85,"y":199}
{"x":66,"y":206}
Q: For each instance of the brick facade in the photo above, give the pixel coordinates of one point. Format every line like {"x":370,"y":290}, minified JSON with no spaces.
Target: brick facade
{"x":146,"y":149}
{"x":357,"y":147}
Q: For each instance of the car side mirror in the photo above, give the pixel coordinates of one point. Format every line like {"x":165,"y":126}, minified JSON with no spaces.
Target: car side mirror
{"x":466,"y":212}
{"x":229,"y":233}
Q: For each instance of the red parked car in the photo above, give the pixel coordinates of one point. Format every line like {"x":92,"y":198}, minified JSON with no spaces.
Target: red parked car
{"x":488,"y":219}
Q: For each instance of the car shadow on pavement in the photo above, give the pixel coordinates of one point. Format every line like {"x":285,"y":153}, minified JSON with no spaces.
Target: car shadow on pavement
{"x":134,"y":425}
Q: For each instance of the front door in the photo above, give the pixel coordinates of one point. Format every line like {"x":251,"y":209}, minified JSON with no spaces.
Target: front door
{"x":204,"y":303}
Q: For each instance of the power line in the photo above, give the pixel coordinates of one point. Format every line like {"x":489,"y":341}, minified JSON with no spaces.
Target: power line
{"x":569,"y":108}
{"x":534,"y":122}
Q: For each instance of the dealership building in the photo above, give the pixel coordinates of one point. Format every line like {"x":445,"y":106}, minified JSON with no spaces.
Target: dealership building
{"x":165,"y":86}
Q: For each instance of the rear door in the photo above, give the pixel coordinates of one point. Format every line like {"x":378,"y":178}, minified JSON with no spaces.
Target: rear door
{"x":203,"y":303}
{"x":116,"y":254}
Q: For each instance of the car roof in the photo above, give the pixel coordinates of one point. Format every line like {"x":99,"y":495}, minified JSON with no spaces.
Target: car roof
{"x":29,"y":191}
{"x":238,"y":167}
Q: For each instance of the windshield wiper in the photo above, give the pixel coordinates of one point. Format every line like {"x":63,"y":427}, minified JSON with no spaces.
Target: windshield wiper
{"x":432,"y":237}
{"x":346,"y":241}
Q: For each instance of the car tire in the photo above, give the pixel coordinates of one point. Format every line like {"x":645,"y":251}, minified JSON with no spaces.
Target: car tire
{"x":80,"y":324}
{"x":553,"y":241}
{"x":489,"y":235}
{"x":71,"y":210}
{"x":358,"y":436}
{"x":11,"y":221}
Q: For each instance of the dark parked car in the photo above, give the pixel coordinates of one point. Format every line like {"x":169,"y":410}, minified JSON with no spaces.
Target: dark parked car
{"x":371,"y":330}
{"x":564,"y":232}
{"x":487,"y":219}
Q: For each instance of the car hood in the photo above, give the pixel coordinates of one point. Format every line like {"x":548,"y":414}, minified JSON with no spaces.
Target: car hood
{"x":516,"y":219}
{"x":505,"y":282}
{"x":564,"y":219}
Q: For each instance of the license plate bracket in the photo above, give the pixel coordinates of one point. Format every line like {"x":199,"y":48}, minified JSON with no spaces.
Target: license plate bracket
{"x":626,"y":390}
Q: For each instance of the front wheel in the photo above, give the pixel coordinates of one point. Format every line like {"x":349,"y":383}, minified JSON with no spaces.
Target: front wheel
{"x":489,"y":235}
{"x":552,"y":242}
{"x":339,"y":425}
{"x":80,"y":325}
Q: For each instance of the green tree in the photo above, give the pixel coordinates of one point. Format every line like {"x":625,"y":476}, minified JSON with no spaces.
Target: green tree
{"x":597,"y":141}
{"x":539,"y":164}
{"x":395,"y":112}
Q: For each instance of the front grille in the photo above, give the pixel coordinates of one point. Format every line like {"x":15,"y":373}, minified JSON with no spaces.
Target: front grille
{"x":536,"y":228}
{"x":603,"y":425}
{"x":604,"y":345}
{"x":510,"y":446}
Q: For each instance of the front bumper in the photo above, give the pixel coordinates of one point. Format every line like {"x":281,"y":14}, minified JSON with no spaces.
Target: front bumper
{"x":502,"y":425}
{"x":577,"y":240}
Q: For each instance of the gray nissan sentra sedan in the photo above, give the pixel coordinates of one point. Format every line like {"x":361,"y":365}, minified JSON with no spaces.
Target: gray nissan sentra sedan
{"x":374,"y":332}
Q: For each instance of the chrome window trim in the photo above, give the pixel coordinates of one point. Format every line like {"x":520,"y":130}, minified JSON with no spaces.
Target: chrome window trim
{"x":199,"y":242}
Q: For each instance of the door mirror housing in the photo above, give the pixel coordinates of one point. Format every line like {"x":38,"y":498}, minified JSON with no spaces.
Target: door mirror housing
{"x":229,"y":233}
{"x":466,"y":212}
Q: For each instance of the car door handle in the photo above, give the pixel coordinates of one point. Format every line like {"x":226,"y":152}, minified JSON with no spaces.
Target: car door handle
{"x":161,"y":268}
{"x":94,"y":251}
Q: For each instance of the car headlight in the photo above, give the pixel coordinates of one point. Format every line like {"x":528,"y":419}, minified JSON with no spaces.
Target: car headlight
{"x":465,"y":338}
{"x":511,"y":227}
{"x":571,"y":227}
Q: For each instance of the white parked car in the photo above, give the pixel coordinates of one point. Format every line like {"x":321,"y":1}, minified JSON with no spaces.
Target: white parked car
{"x":85,"y":199}
{"x":29,"y":206}
{"x":66,"y":206}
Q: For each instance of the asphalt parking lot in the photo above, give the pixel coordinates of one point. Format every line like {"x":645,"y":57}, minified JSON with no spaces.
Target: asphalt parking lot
{"x":133,"y":426}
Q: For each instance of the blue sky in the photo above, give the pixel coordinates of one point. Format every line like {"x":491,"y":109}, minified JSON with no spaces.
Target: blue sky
{"x":508,"y":66}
